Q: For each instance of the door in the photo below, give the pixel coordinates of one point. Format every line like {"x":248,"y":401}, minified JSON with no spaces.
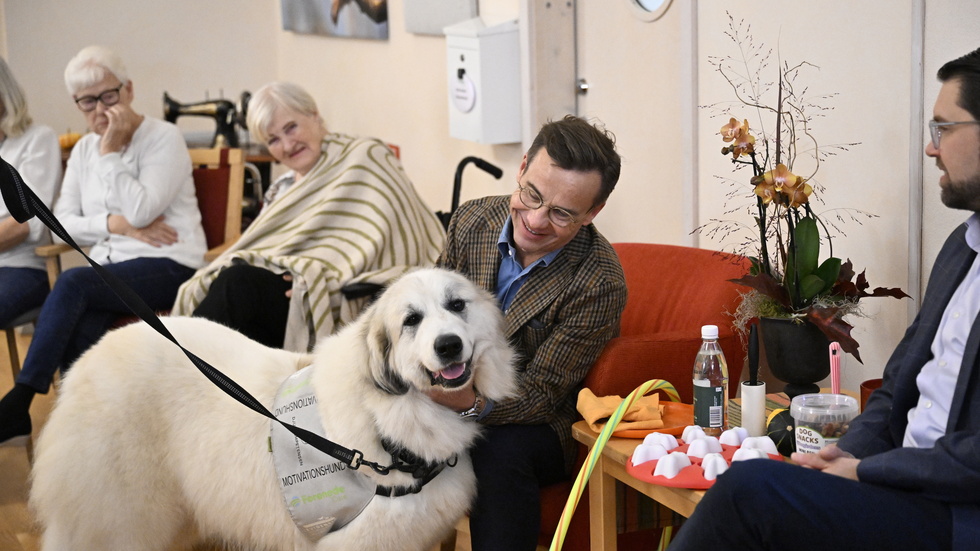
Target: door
{"x":638,"y":74}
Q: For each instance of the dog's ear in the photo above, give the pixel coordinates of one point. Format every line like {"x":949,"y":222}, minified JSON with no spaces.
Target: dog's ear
{"x":379,"y":352}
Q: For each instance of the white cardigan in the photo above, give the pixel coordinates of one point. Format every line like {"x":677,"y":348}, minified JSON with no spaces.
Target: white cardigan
{"x":152,"y":176}
{"x":37,"y":157}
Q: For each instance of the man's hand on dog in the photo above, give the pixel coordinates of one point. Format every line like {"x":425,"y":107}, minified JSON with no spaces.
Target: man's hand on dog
{"x":458,"y":400}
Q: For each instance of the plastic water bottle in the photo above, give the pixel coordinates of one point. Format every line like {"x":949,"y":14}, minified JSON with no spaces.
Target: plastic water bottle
{"x":710,"y":384}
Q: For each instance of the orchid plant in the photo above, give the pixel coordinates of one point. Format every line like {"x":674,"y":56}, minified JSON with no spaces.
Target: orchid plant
{"x":787,"y":277}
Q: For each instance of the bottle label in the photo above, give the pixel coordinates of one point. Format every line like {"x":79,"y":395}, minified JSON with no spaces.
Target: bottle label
{"x":708,"y":406}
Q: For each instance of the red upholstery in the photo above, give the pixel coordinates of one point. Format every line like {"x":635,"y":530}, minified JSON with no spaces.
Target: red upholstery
{"x":211,"y":188}
{"x":673,"y":291}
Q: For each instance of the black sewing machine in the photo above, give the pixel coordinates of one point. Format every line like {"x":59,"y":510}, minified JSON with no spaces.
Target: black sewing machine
{"x":222,"y":111}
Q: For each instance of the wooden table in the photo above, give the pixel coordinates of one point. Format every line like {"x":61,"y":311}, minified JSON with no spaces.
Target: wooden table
{"x":610,"y":467}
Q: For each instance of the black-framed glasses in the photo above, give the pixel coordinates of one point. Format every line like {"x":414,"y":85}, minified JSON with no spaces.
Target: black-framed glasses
{"x":532,"y":200}
{"x":936,"y":129}
{"x":108,"y":98}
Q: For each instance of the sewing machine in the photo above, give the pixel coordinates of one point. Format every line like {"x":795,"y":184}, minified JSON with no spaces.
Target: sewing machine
{"x":223,"y":111}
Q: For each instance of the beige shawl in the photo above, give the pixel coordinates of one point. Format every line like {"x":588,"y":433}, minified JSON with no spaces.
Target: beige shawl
{"x":355,"y":217}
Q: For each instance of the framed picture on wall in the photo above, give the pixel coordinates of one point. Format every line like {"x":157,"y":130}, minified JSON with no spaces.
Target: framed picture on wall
{"x":344,"y":18}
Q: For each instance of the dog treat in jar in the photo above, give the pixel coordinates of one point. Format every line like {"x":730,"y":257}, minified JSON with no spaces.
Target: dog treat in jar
{"x":821,"y":419}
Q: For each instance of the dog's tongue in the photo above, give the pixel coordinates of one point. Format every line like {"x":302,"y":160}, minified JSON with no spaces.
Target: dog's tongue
{"x":453,"y":371}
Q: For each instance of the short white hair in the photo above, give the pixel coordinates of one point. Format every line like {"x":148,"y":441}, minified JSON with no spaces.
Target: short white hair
{"x":263,"y":104}
{"x":91,"y":65}
{"x":15,"y":119}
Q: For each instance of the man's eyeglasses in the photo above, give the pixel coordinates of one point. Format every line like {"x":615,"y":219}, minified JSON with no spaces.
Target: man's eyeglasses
{"x":108,"y":99}
{"x":532,"y":200}
{"x":936,"y":129}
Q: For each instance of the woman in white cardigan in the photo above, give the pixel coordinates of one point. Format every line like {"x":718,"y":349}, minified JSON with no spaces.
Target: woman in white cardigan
{"x":33,"y":150}
{"x":129,"y":194}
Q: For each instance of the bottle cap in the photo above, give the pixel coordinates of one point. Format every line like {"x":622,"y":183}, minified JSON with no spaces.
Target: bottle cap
{"x":709,"y":331}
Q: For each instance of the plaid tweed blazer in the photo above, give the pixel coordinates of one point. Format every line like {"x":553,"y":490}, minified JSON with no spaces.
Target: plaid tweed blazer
{"x":559,"y":321}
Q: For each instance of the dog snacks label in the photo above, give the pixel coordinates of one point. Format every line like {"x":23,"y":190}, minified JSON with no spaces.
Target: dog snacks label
{"x":809,"y":440}
{"x":322,"y":493}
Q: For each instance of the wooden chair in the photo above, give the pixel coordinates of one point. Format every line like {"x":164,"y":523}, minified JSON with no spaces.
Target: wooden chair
{"x":219,"y":180}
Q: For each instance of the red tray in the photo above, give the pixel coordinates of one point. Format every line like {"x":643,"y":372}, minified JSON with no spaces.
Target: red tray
{"x":691,"y":477}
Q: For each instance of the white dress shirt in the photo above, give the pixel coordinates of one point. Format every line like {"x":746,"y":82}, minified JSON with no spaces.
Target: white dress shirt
{"x":937,"y":379}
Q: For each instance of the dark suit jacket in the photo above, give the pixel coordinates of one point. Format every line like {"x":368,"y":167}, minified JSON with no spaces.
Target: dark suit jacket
{"x":559,"y":321}
{"x":949,"y":471}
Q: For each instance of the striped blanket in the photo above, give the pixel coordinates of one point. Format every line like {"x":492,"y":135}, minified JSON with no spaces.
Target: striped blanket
{"x":355,"y":217}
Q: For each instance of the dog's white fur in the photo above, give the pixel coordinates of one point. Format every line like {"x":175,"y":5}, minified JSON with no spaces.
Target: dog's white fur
{"x":141,"y":448}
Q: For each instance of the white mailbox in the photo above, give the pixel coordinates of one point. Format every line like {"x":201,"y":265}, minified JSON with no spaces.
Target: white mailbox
{"x":484,"y":70}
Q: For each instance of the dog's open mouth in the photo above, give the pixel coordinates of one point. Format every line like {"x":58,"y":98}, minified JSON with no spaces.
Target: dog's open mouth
{"x":452,"y":376}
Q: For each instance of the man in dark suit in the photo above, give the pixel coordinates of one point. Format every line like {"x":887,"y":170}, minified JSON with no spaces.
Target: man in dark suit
{"x":907,"y":473}
{"x":561,"y":287}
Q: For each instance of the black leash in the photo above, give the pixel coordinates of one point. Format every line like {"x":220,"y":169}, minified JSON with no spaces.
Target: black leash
{"x":23,"y":205}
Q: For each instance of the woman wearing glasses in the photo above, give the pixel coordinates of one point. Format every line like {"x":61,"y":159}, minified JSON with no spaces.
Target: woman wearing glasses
{"x":128,"y":193}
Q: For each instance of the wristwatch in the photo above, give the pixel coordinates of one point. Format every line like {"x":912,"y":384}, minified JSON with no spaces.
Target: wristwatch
{"x":474,"y":411}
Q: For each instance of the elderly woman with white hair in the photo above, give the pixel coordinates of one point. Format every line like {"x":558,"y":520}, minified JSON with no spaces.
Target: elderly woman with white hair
{"x":344,"y":213}
{"x":33,"y":150}
{"x":129,"y":194}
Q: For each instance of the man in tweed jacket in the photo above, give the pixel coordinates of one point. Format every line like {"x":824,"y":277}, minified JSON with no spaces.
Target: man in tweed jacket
{"x":906,"y":475}
{"x":562,"y":290}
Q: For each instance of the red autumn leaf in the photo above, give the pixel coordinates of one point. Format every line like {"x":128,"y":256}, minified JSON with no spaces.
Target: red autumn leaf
{"x":835,"y":329}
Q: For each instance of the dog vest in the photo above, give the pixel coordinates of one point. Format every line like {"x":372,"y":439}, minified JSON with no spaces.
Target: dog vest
{"x":321,"y":492}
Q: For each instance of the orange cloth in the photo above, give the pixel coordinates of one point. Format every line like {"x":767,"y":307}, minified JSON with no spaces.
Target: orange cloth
{"x":645,"y":413}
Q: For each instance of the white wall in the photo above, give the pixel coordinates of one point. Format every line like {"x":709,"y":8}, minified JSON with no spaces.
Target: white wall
{"x":395,"y":90}
{"x":870,"y":72}
{"x":633,"y":69}
{"x":187,"y":48}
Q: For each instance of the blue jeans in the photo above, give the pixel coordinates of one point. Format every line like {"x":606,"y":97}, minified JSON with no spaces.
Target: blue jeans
{"x":82,"y":307}
{"x":764,"y":504}
{"x":20,"y":290}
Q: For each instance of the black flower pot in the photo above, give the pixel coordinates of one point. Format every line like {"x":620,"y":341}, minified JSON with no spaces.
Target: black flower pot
{"x":797,"y":354}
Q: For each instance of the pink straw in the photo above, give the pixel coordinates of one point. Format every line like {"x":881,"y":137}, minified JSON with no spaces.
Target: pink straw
{"x":835,"y":367}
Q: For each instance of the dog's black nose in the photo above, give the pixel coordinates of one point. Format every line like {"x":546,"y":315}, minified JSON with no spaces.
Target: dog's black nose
{"x":448,"y":347}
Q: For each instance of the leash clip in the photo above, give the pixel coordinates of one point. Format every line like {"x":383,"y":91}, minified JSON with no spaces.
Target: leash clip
{"x":356,"y":460}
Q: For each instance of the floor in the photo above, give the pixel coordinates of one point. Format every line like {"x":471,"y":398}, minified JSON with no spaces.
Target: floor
{"x":17,"y":530}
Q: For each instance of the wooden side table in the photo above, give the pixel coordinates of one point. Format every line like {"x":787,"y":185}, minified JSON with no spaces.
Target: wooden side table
{"x":610,"y":467}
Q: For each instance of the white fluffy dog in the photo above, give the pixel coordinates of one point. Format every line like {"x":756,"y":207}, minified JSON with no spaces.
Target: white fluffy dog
{"x":141,"y":449}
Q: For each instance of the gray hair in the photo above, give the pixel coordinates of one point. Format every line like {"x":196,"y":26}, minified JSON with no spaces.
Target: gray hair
{"x":263,"y":104}
{"x":15,"y":119}
{"x":91,"y":65}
